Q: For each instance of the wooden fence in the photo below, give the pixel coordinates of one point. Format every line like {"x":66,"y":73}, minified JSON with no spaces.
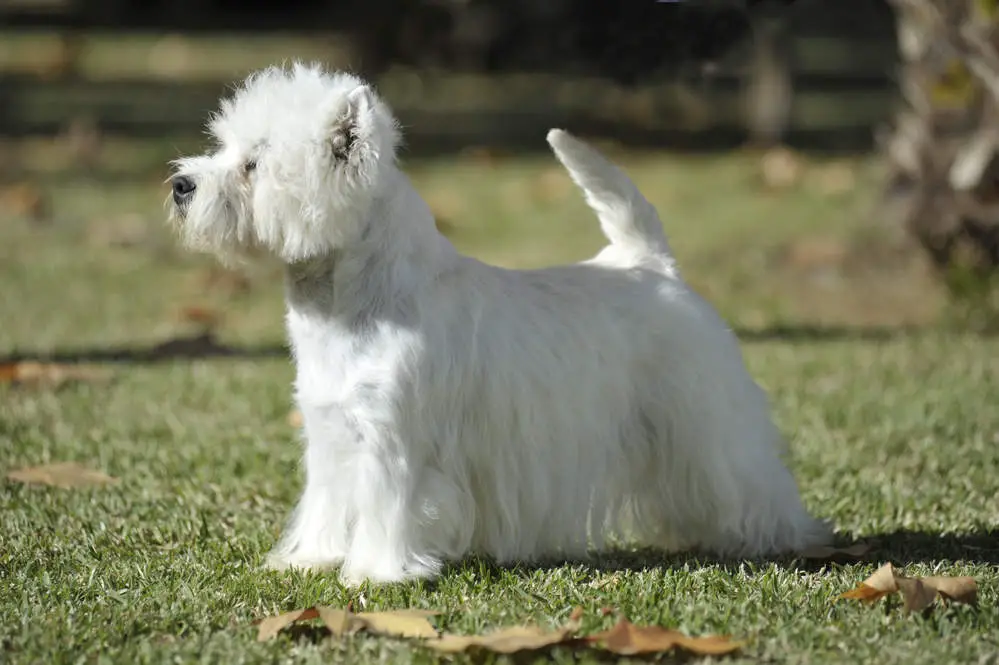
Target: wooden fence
{"x":148,"y":85}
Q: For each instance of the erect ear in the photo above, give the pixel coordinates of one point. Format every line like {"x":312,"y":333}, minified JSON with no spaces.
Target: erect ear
{"x":353,"y":122}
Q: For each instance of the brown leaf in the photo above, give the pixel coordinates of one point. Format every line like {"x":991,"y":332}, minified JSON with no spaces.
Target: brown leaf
{"x":918,"y":593}
{"x":24,"y":200}
{"x":295,"y":418}
{"x":202,"y":316}
{"x":398,"y":623}
{"x":827,"y":552}
{"x":627,"y":639}
{"x":506,"y":640}
{"x":511,"y":640}
{"x":61,"y":474}
{"x":269,"y":627}
{"x":916,"y":596}
{"x":50,"y":375}
{"x":878,"y":585}
{"x":955,"y":589}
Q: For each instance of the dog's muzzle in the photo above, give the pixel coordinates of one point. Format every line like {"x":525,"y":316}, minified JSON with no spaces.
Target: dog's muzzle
{"x":183,"y":190}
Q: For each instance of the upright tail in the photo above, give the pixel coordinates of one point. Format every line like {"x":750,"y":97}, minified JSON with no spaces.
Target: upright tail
{"x":626,"y":217}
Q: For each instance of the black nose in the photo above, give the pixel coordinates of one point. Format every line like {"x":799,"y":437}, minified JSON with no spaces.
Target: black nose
{"x":183,"y":187}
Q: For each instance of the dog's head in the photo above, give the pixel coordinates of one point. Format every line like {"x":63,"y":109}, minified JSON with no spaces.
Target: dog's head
{"x":300,"y":154}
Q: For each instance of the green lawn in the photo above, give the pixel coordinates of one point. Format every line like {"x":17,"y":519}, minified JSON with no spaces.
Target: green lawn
{"x":892,"y":420}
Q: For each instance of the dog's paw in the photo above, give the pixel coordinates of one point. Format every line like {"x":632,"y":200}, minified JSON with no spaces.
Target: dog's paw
{"x":284,"y":561}
{"x":382,"y":572}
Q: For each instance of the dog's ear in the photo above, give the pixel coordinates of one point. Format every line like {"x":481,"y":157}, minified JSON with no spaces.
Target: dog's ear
{"x":353,"y":124}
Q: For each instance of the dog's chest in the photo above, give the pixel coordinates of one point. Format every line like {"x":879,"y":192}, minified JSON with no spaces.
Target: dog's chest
{"x":339,"y":365}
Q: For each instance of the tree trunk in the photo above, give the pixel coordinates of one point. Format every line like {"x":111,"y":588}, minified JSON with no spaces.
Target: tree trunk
{"x":943,"y":152}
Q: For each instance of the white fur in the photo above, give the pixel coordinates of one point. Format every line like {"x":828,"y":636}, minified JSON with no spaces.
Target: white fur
{"x":453,"y":407}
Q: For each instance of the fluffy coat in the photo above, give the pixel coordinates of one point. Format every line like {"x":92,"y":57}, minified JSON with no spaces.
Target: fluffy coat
{"x":452,"y":407}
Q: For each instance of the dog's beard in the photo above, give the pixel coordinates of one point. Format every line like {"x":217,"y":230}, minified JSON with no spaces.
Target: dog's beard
{"x":217,"y":221}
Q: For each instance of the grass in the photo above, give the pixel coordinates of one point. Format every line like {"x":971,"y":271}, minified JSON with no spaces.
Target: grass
{"x":891,"y":418}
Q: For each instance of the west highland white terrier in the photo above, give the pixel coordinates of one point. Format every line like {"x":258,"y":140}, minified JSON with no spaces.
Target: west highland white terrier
{"x":452,"y":407}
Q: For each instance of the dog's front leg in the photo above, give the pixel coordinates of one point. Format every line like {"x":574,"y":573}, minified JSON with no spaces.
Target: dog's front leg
{"x":387,"y":538}
{"x":318,"y":534}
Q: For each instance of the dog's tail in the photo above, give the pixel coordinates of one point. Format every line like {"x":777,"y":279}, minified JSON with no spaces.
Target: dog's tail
{"x":626,"y":217}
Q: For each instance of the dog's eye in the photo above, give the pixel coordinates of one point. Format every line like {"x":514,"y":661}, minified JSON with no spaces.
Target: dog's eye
{"x":249,"y":166}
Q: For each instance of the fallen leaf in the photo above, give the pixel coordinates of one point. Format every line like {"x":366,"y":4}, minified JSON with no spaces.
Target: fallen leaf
{"x":268,"y":628}
{"x":49,"y":375}
{"x":61,"y":474}
{"x":827,"y":552}
{"x":878,"y":585}
{"x":955,"y":589}
{"x":506,"y":640}
{"x":202,"y":316}
{"x":916,"y":596}
{"x":398,"y":623}
{"x":24,"y":200}
{"x":511,"y":640}
{"x":627,"y":639}
{"x":918,"y":593}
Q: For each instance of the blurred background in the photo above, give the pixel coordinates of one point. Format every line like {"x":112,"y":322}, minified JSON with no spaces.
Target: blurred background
{"x":822,"y":168}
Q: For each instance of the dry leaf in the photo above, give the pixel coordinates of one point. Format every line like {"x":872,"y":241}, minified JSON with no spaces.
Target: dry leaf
{"x":49,"y":375}
{"x":955,"y":589}
{"x":62,"y":474}
{"x":268,"y":628}
{"x":827,"y":552}
{"x":511,"y":640}
{"x":295,"y":418}
{"x":24,"y":200}
{"x":627,"y":639}
{"x":202,"y":316}
{"x":916,"y":596}
{"x":505,"y":641}
{"x":917,"y":593}
{"x":399,"y":623}
{"x":878,"y":585}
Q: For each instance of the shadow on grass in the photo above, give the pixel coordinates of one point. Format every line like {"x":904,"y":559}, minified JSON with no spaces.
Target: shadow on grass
{"x":206,"y":346}
{"x":904,"y":547}
{"x":901,"y":548}
{"x":180,"y":348}
{"x":807,"y":333}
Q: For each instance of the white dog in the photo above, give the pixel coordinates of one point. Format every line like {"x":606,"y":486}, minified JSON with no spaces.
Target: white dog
{"x":452,"y":407}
